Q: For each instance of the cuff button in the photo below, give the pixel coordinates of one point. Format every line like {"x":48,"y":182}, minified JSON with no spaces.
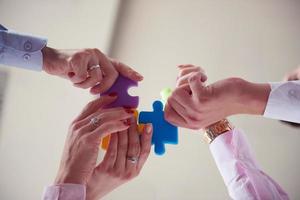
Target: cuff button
{"x":27,"y":45}
{"x":26,"y":57}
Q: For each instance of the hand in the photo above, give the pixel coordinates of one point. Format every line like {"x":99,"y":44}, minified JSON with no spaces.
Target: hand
{"x":78,"y":67}
{"x":116,"y":169}
{"x":82,"y":143}
{"x":194,"y":105}
{"x":293,"y":76}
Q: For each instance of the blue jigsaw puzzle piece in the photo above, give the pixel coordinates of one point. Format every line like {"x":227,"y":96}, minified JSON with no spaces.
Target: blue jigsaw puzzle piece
{"x":163,"y":131}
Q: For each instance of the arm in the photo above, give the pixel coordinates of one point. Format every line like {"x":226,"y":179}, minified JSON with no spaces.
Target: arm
{"x":21,"y":50}
{"x":242,"y":175}
{"x":207,"y":104}
{"x":85,"y":68}
{"x":194,"y":105}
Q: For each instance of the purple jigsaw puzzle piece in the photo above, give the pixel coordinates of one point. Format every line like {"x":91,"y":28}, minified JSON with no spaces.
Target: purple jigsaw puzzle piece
{"x":163,"y":131}
{"x":121,"y":86}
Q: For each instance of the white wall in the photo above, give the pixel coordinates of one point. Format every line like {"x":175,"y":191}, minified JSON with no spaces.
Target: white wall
{"x":258,"y":40}
{"x":38,"y":108}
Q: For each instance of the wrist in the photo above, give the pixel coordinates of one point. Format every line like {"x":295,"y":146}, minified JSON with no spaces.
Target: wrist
{"x":253,"y":98}
{"x":63,"y":178}
{"x":53,"y":60}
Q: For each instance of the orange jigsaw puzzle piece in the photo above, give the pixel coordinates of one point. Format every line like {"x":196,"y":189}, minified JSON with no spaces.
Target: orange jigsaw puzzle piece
{"x":105,"y":141}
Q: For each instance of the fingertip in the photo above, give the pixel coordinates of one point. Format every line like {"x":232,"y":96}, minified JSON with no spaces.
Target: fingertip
{"x":148,"y":129}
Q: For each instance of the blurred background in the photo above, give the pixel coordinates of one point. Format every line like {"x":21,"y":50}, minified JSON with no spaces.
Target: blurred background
{"x":257,"y":40}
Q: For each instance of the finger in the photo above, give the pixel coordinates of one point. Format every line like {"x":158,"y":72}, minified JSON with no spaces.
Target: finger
{"x":109,"y":72}
{"x":185,"y":78}
{"x":79,"y":64}
{"x":179,"y":109}
{"x":126,"y":71}
{"x":146,"y":138}
{"x":183,"y":66}
{"x":94,"y":78}
{"x":110,"y":157}
{"x":95,"y":105}
{"x":106,"y":117}
{"x":190,"y":69}
{"x":173,"y":117}
{"x":100,"y":114}
{"x":122,"y":152}
{"x":107,"y":129}
{"x":133,"y":145}
{"x":183,"y":96}
{"x":197,"y":87}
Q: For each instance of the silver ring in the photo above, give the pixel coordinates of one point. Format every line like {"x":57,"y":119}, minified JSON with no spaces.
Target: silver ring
{"x":95,"y":122}
{"x":94,"y":67}
{"x":132,"y":159}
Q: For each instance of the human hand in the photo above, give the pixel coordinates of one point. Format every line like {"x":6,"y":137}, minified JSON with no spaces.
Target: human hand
{"x":293,"y":75}
{"x":82,"y":143}
{"x":194,"y":105}
{"x":124,"y":159}
{"x":86,"y":68}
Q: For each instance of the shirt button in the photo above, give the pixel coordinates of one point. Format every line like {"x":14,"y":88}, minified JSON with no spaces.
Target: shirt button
{"x":27,"y":45}
{"x":26,"y":57}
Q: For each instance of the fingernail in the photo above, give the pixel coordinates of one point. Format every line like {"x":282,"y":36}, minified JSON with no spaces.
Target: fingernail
{"x":126,"y":122}
{"x":149,"y":128}
{"x":129,"y":111}
{"x":138,"y":75}
{"x":113,"y":94}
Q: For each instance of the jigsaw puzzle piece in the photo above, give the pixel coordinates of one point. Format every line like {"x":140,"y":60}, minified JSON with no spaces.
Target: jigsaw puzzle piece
{"x":121,"y":86}
{"x":105,"y":141}
{"x":163,"y":131}
{"x":165,"y":94}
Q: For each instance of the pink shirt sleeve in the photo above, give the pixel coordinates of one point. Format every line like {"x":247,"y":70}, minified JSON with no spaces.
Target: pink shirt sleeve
{"x":65,"y":192}
{"x":242,"y":176}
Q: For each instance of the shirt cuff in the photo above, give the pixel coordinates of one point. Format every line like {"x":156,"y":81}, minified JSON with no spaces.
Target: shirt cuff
{"x":284,"y":101}
{"x":65,"y":192}
{"x":21,"y":50}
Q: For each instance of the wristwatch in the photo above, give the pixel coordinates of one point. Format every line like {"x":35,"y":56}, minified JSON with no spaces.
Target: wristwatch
{"x":216,"y":129}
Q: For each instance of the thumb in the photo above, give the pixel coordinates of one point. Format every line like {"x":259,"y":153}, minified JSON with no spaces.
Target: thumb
{"x":127,"y":71}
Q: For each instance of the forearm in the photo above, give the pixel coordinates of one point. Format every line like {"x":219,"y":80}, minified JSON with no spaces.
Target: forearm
{"x":252,"y":98}
{"x":240,"y":171}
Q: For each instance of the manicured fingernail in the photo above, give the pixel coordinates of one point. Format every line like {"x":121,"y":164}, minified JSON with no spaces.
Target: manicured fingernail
{"x":126,"y":122}
{"x":129,"y":111}
{"x":148,"y":128}
{"x":71,"y":74}
{"x":138,"y":75}
{"x":113,"y":94}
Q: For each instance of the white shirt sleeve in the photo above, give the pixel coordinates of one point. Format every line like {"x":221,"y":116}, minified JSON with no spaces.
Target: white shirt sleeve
{"x":241,"y":173}
{"x":284,"y":102}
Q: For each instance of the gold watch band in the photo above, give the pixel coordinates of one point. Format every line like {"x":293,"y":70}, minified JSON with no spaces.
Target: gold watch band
{"x":216,"y":129}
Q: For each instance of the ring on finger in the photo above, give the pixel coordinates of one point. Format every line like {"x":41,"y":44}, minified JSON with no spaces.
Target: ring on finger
{"x":133,"y":159}
{"x":93,"y":67}
{"x":95,"y":121}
